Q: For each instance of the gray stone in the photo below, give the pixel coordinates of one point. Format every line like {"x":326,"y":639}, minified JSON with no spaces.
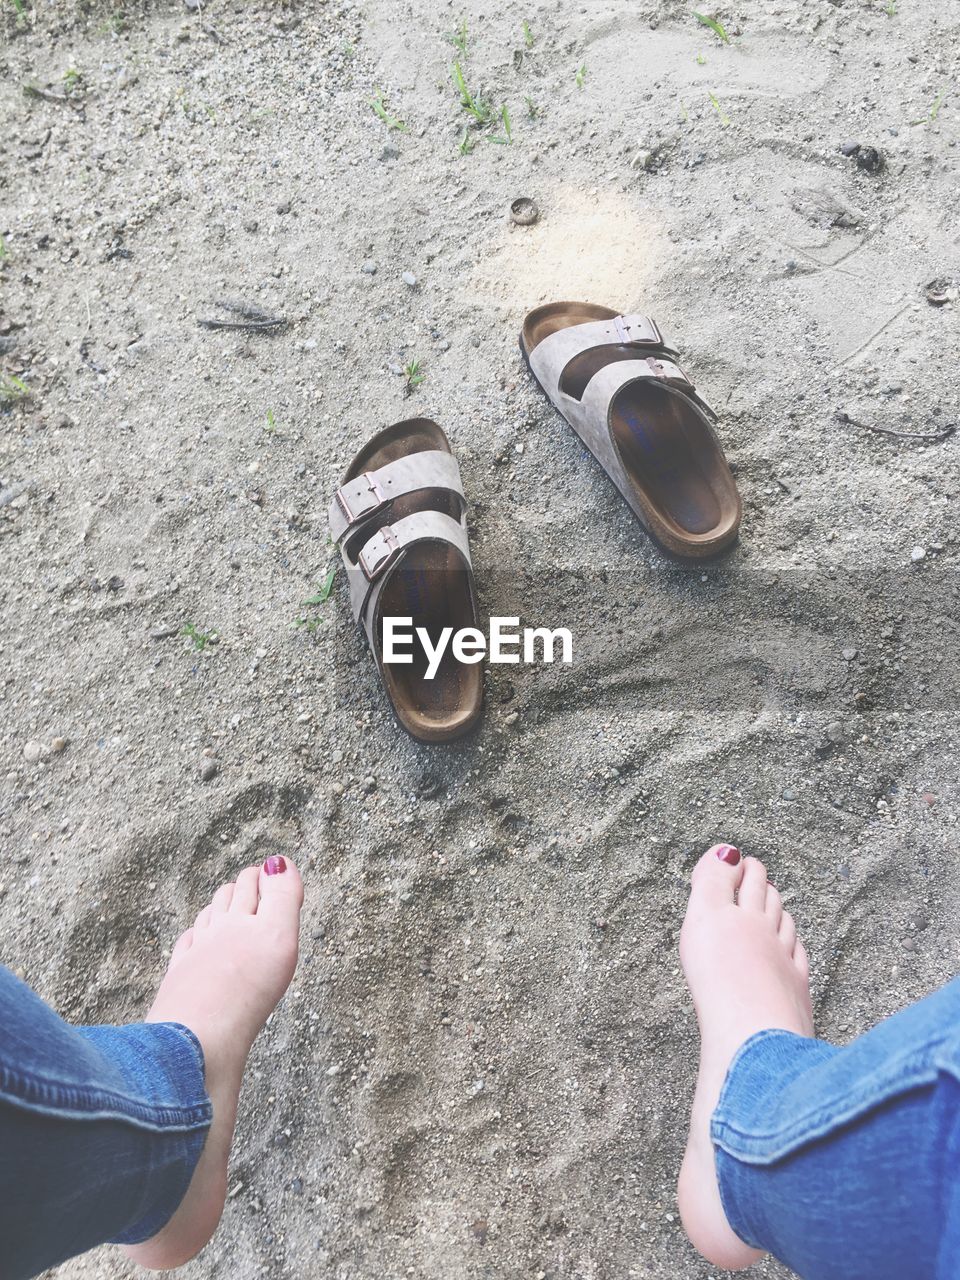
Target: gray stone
{"x":13,"y":492}
{"x":208,"y":770}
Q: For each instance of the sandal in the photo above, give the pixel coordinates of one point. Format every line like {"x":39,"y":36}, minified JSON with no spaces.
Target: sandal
{"x":399,"y":520}
{"x":616,"y":381}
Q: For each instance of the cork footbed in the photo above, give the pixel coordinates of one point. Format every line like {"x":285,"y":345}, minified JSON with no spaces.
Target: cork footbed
{"x":664,"y":441}
{"x":430,"y":584}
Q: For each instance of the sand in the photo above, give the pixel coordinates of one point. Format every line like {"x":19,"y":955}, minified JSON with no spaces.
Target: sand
{"x":483,"y":1066}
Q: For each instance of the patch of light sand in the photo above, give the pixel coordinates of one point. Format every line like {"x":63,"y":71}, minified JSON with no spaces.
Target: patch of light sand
{"x":585,"y":248}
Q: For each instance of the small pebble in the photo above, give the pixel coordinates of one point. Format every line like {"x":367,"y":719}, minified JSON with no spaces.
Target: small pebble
{"x":58,"y":746}
{"x":32,"y":751}
{"x":849,"y":148}
{"x":869,"y":159}
{"x":849,"y":655}
{"x":835,"y":731}
{"x":409,"y":278}
{"x":918,"y":554}
{"x":208,"y":770}
{"x":369,"y":268}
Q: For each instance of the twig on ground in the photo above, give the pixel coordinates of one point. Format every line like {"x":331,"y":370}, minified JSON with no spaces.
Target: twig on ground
{"x":252,"y":318}
{"x":34,"y":91}
{"x":942,"y":433}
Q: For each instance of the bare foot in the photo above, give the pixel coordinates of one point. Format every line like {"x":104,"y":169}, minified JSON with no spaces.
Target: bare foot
{"x":226,"y":975}
{"x":746,"y":971}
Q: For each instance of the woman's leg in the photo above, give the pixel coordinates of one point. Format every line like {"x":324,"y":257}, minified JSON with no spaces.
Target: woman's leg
{"x":841,"y":1162}
{"x":123,"y":1133}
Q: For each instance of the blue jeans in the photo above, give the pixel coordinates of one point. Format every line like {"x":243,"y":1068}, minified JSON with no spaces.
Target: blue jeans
{"x":100,"y":1130}
{"x":845,"y":1163}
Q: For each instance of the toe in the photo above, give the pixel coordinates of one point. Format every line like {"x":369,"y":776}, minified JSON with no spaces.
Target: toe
{"x":788,"y":932}
{"x":222,"y":898}
{"x":753,"y":886}
{"x":716,"y":875}
{"x":203,"y":919}
{"x":246,"y":893}
{"x":281,"y":892}
{"x":182,"y":944}
{"x":773,"y":905}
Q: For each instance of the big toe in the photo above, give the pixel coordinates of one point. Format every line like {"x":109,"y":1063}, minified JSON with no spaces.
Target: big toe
{"x":717,"y":876}
{"x":281,"y":892}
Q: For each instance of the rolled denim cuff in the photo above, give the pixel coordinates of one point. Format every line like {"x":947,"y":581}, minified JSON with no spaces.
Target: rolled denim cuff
{"x":162,"y":1066}
{"x":744,"y":1127}
{"x":163,"y":1062}
{"x":176,"y":1182}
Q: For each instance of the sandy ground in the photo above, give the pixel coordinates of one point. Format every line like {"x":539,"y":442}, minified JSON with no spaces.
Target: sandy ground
{"x":484,"y":1063}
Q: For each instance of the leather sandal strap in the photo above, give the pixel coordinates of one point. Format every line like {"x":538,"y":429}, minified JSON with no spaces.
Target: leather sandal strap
{"x":608,"y":381}
{"x":362,"y":497}
{"x":384,"y":549}
{"x":551,"y":356}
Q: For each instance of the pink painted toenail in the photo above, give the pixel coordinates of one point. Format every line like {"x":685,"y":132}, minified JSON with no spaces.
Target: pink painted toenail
{"x":728,"y":853}
{"x":275,"y":866}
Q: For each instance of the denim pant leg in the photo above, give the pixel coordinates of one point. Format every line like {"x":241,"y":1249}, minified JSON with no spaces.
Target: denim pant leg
{"x":845,"y":1162}
{"x":100,"y":1130}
